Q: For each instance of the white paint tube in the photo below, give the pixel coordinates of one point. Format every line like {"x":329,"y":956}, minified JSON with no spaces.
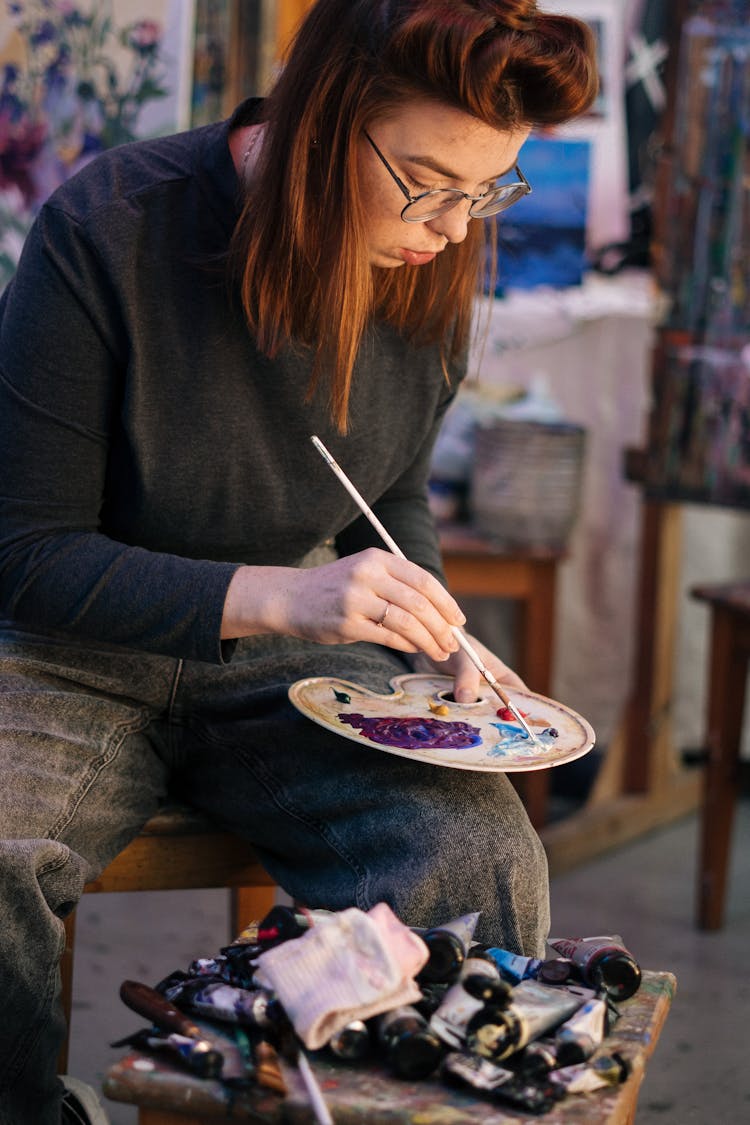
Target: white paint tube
{"x":605,"y":1070}
{"x":534,"y":1009}
{"x":581,"y":1034}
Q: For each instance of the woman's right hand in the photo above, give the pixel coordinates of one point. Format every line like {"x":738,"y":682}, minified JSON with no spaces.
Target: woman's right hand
{"x":371,"y":596}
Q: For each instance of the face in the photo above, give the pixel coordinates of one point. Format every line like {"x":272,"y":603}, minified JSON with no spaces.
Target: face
{"x":428,"y":146}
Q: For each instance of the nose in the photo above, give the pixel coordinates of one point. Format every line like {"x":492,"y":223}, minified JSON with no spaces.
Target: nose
{"x":452,"y":224}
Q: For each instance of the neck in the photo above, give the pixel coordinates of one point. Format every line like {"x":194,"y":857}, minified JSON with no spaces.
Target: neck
{"x":244,"y":145}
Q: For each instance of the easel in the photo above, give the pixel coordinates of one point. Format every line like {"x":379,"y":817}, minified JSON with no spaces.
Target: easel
{"x":642,"y":784}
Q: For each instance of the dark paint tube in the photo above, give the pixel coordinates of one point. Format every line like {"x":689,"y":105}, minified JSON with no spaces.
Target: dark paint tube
{"x":479,"y":983}
{"x":352,"y":1042}
{"x":498,"y":1083}
{"x":537,"y":1058}
{"x":603,"y":961}
{"x":448,"y":946}
{"x":411,"y":1048}
{"x":283,"y":923}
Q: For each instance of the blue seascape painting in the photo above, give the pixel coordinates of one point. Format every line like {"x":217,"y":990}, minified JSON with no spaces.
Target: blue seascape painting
{"x":542,"y":239}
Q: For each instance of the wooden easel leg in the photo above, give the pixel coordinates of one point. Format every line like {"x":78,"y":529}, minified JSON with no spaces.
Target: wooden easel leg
{"x":726,"y":700}
{"x":648,"y":724}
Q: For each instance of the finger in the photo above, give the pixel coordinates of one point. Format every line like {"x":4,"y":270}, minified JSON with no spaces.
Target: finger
{"x":507,"y":677}
{"x":466,"y":686}
{"x":416,"y":617}
{"x":399,"y":628}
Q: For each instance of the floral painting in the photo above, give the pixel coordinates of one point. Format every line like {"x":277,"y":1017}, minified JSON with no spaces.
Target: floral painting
{"x":75,"y":78}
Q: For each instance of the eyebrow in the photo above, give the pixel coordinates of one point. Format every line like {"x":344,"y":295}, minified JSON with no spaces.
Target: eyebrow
{"x":446,"y":173}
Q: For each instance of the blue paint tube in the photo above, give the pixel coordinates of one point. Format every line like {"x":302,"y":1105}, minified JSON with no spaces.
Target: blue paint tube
{"x":516,"y":968}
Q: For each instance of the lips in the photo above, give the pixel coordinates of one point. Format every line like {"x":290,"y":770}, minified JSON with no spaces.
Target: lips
{"x":417,"y":257}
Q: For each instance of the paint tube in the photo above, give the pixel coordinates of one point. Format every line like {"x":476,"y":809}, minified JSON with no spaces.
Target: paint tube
{"x":582,"y":1033}
{"x":537,"y":1058}
{"x":461,"y":1068}
{"x":411,"y":1048}
{"x":501,"y":1085}
{"x":431,"y":998}
{"x":351,"y":1043}
{"x":534,"y":1008}
{"x":479,"y":983}
{"x":198,"y":1055}
{"x":217,"y":968}
{"x":604,"y":962}
{"x":283,"y":923}
{"x":228,"y":1004}
{"x":448,"y":946}
{"x":515,"y":968}
{"x":605,"y":1070}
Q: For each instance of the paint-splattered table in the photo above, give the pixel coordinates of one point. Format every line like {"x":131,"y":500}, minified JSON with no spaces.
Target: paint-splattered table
{"x":368,"y":1095}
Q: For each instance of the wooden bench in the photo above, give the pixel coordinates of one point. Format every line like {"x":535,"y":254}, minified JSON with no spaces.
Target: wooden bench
{"x":366,"y":1093}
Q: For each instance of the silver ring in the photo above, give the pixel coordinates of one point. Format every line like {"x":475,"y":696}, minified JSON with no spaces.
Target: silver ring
{"x":385,"y":614}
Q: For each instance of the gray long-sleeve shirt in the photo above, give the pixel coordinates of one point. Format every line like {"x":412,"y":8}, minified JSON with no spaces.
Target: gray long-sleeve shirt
{"x":147,"y":448}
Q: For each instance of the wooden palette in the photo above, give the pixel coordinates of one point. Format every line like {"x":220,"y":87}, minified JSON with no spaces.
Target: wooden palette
{"x":420,"y":720}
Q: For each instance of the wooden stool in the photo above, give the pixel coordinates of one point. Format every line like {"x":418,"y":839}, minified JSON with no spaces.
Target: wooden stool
{"x":728,"y":663}
{"x":178,"y":849}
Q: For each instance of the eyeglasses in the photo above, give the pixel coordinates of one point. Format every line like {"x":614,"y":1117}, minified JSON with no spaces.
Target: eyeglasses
{"x":429,"y":204}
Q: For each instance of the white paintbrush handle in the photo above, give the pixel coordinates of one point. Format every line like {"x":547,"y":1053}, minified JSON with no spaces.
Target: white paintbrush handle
{"x":393,"y":546}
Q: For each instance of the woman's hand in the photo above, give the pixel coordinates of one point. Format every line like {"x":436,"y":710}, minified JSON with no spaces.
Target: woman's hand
{"x":371,"y":596}
{"x":467,"y":678}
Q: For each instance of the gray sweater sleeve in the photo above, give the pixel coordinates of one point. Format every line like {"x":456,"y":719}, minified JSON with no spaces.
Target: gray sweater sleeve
{"x":147,"y":449}
{"x":62,"y":357}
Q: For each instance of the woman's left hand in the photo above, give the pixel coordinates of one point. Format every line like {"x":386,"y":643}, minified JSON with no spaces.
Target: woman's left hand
{"x":468,"y":678}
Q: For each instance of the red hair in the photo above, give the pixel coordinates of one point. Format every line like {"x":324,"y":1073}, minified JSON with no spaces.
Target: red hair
{"x":300,"y":248}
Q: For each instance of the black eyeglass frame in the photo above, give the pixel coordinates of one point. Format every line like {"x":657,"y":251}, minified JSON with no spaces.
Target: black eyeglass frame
{"x":516,"y":191}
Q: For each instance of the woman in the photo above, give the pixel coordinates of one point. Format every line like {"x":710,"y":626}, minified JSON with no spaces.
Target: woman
{"x":173,"y":551}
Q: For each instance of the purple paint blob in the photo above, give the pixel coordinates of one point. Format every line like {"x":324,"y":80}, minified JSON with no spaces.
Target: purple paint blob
{"x":415,"y":733}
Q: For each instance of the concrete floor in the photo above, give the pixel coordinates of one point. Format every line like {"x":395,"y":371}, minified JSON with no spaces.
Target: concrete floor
{"x":645,"y":891}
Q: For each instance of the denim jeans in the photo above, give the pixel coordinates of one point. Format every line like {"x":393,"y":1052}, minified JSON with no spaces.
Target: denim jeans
{"x":93,"y":738}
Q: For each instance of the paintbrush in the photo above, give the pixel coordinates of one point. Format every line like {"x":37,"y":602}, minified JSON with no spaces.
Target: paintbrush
{"x":314,"y":1092}
{"x":393,"y":546}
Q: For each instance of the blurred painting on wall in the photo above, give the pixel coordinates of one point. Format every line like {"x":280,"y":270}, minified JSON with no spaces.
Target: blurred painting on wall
{"x":77,"y":78}
{"x":542,"y":239}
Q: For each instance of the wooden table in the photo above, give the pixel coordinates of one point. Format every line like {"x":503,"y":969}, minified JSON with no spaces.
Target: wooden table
{"x":367,"y":1095}
{"x":476,"y":567}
